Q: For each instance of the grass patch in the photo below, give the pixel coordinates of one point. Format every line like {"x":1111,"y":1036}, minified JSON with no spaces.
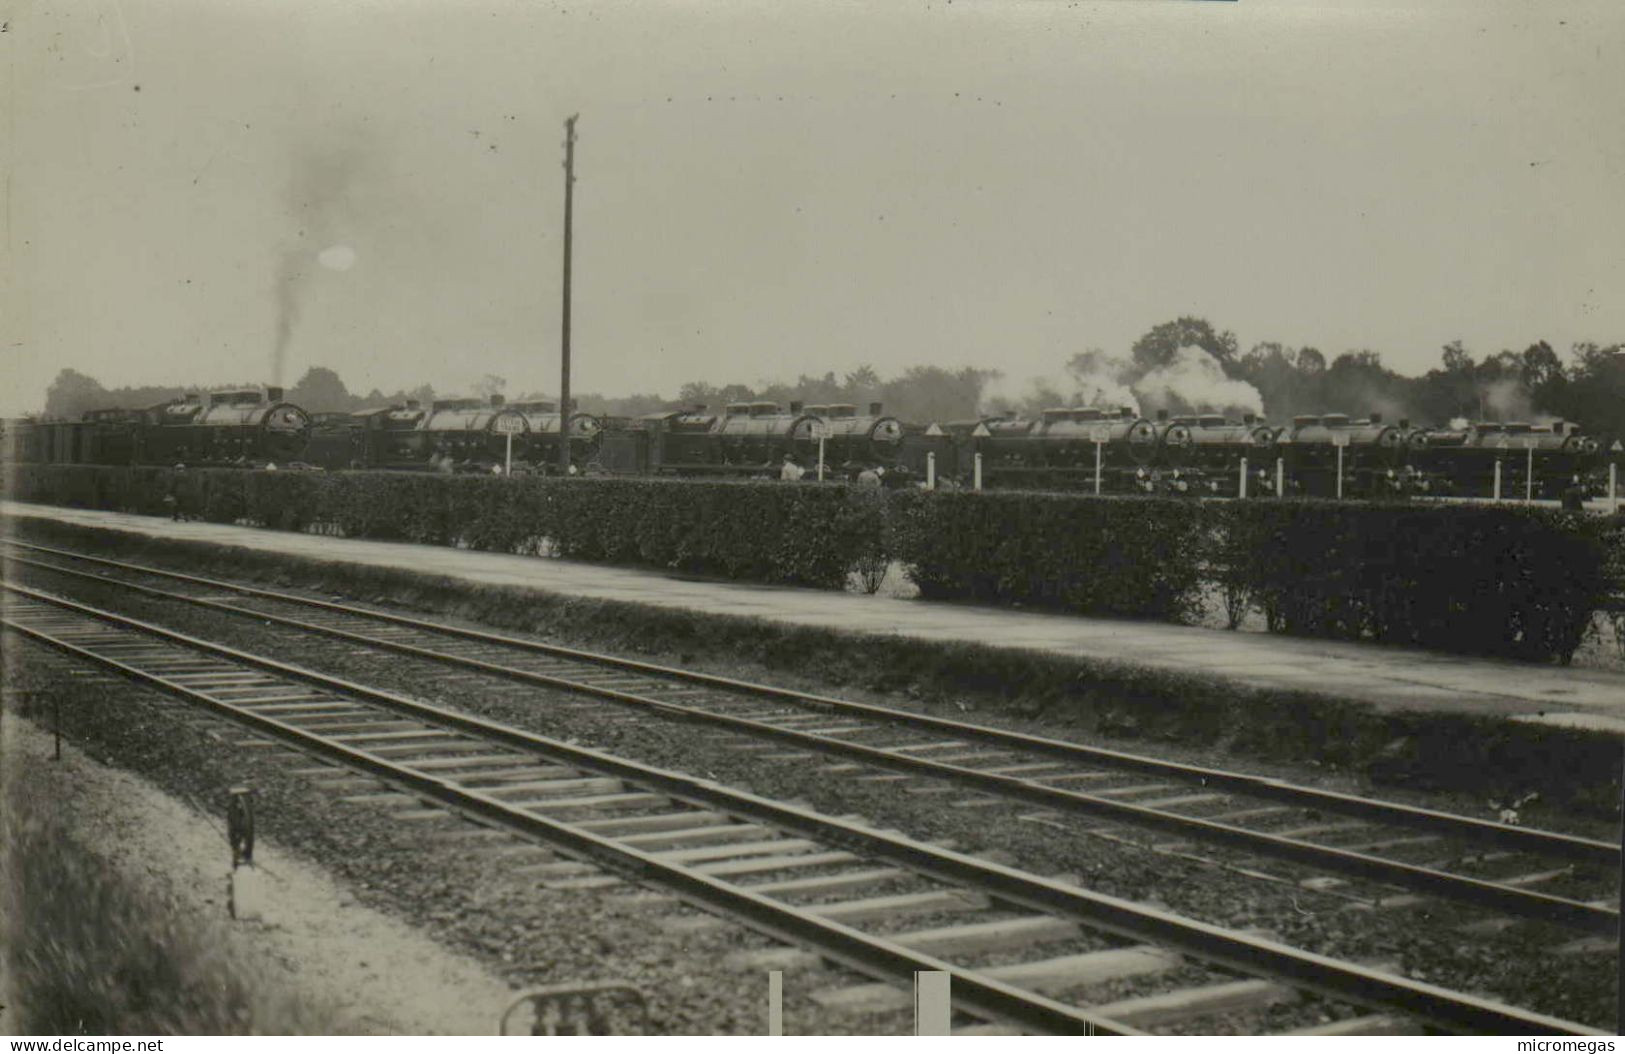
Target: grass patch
{"x":88,"y":952}
{"x":1422,"y":751}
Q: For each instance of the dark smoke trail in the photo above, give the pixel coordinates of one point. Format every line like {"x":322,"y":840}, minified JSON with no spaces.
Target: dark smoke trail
{"x":316,"y":192}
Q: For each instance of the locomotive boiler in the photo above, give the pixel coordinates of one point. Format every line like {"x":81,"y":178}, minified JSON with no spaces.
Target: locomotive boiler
{"x":1217,"y":447}
{"x":1372,"y":454}
{"x":467,"y":434}
{"x":871,"y":440}
{"x":538,"y":446}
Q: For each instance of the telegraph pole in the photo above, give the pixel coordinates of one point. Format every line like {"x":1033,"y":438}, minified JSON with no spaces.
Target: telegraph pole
{"x":564,"y":356}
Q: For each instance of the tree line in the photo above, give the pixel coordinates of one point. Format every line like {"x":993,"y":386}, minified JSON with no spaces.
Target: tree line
{"x":1537,"y":383}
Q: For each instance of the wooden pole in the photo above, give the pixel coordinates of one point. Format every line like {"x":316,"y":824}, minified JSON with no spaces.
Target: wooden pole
{"x":564,"y":349}
{"x":1241,"y":491}
{"x":978,"y":472}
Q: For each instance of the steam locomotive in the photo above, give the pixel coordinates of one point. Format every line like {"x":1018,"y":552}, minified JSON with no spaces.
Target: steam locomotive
{"x":749,"y":439}
{"x":451,"y":435}
{"x":251,"y":426}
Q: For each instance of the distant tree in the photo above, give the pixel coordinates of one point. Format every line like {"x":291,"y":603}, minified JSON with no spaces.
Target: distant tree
{"x":923,"y":394}
{"x":1596,"y":388}
{"x":489,"y":385}
{"x":1541,"y":367}
{"x":320,"y":391}
{"x":1311,"y":361}
{"x":1158,"y":347}
{"x":1457,"y":359}
{"x":72,"y":393}
{"x":861,"y":380}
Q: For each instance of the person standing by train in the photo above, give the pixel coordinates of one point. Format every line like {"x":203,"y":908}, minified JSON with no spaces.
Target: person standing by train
{"x":172,"y":494}
{"x":791,"y":471}
{"x":1574,"y":496}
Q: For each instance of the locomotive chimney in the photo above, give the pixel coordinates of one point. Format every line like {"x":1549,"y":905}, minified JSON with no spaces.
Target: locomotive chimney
{"x":699,"y":408}
{"x":497,"y":399}
{"x":273,"y":393}
{"x":795,"y":406}
{"x":1557,"y":427}
{"x":1162,"y":415}
{"x":1248,"y":419}
{"x":1404,"y":422}
{"x":413,"y":404}
{"x":1376,"y":418}
{"x":874,"y":409}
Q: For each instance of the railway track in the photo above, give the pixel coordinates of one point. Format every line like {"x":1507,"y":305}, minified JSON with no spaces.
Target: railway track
{"x":1358,"y":847}
{"x":1013,"y":942}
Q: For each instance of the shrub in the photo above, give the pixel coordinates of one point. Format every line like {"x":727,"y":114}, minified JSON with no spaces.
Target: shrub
{"x":1486,"y":579}
{"x":1117,"y":556}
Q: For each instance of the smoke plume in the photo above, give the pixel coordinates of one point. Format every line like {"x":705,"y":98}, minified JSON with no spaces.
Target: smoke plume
{"x":1194,"y":382}
{"x":317,"y":199}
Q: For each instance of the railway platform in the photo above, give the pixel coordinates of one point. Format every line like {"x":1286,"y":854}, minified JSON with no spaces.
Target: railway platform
{"x":1383,"y":677}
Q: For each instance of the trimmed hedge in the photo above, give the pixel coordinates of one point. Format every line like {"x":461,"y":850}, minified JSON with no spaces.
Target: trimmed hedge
{"x":1112,"y":556}
{"x":799,"y":535}
{"x":1476,"y":579}
{"x":1485,"y":579}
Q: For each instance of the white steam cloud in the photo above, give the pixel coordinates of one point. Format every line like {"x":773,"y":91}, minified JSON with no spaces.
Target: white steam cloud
{"x":1194,"y":382}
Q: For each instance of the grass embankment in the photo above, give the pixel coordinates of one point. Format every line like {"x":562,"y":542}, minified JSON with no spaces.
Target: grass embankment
{"x":1075,"y":696}
{"x":90,"y":951}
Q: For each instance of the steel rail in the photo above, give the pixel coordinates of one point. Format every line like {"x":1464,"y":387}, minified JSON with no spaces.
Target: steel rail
{"x":1324,"y":975}
{"x":873,"y":956}
{"x":1523,"y":839}
{"x":1512,"y":900}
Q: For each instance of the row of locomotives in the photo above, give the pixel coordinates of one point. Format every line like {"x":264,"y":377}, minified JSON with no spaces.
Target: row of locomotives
{"x":1515,"y":460}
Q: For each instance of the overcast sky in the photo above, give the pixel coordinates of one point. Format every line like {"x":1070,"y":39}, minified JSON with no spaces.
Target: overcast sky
{"x":771,"y":188}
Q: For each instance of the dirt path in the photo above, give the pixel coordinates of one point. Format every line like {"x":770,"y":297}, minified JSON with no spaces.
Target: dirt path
{"x":379,"y":975}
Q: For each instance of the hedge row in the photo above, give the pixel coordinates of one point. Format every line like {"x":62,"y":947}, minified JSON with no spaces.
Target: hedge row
{"x":812,"y":535}
{"x":1502,"y":580}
